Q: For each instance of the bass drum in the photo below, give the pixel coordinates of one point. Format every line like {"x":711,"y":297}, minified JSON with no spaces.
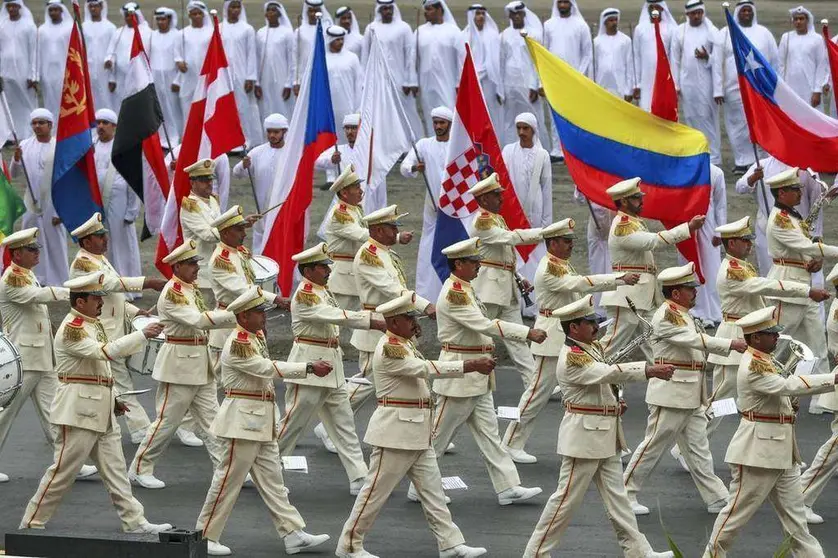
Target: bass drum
{"x":143,"y":362}
{"x":11,"y":371}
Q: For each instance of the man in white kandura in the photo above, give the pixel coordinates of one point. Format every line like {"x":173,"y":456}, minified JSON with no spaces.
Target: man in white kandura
{"x":189,"y":54}
{"x":613,"y":64}
{"x":345,"y":17}
{"x":483,"y":36}
{"x":165,"y":39}
{"x":304,"y":35}
{"x":53,"y":40}
{"x":276,"y":53}
{"x":118,"y":60}
{"x":98,"y":32}
{"x":646,"y":51}
{"x":239,"y":40}
{"x":345,"y":76}
{"x":18,"y":68}
{"x":803,"y":60}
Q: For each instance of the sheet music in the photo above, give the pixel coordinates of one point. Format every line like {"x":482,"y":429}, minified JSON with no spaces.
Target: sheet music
{"x":806,"y":367}
{"x":510,"y":413}
{"x":453,"y":483}
{"x":295,"y":463}
{"x":724,"y":407}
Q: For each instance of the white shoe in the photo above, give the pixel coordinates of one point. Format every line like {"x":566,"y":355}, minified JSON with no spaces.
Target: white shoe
{"x":675,"y":452}
{"x":217,"y":549}
{"x":717,"y":506}
{"x":625,"y":454}
{"x":450,"y":447}
{"x":146,"y":481}
{"x":812,"y":518}
{"x":150,"y":528}
{"x":86,"y":471}
{"x":4,"y":477}
{"x":520,"y":456}
{"x":815,"y":409}
{"x":517,"y":494}
{"x":248,"y":481}
{"x":462,"y":551}
{"x":188,"y":438}
{"x":413,"y":496}
{"x":637,"y":508}
{"x":320,"y":432}
{"x":664,"y":554}
{"x":138,"y":436}
{"x":300,"y":541}
{"x":356,"y":486}
{"x":557,"y":394}
{"x":357,"y":554}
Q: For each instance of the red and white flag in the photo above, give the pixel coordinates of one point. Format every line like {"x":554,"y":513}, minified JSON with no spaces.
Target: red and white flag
{"x":212,"y":129}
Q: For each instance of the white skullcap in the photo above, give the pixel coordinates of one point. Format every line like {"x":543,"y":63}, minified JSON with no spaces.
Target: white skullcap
{"x":352,"y":120}
{"x":107,"y":115}
{"x":515,"y":6}
{"x":430,"y":2}
{"x":527,"y":118}
{"x":314,"y":3}
{"x":335,"y":32}
{"x":343,"y":10}
{"x":444,"y":113}
{"x":276,"y":121}
{"x":41,"y":114}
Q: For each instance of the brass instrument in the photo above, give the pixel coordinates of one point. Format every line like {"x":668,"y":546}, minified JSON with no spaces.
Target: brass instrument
{"x":787,"y":355}
{"x":825,"y":198}
{"x":630,"y":346}
{"x":525,"y":294}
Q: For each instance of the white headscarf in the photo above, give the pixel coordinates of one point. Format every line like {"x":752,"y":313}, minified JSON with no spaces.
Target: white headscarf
{"x":444,"y":113}
{"x":193,"y":4}
{"x":801,"y":10}
{"x":605,"y":14}
{"x":25,"y":13}
{"x":88,"y":17}
{"x":283,"y":15}
{"x":706,"y":22}
{"x":335,"y":32}
{"x":741,"y":4}
{"x":529,"y":119}
{"x":41,"y":114}
{"x":275,"y":121}
{"x":107,"y":115}
{"x":137,"y":12}
{"x":326,"y":18}
{"x":66,"y":20}
{"x":447,"y":16}
{"x":167,"y":12}
{"x":353,"y":27}
{"x":485,"y":44}
{"x":645,"y":19}
{"x":242,"y":16}
{"x":397,"y":15}
{"x":532,"y":25}
{"x":574,"y":10}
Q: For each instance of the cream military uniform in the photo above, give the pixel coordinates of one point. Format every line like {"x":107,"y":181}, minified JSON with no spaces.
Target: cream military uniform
{"x":315,"y":321}
{"x":763,"y":452}
{"x":677,"y":407}
{"x":400,"y":434}
{"x":465,"y":332}
{"x":631,"y":246}
{"x":246,"y":427}
{"x":196,"y":217}
{"x":345,"y":234}
{"x":230,"y":272}
{"x":83,"y":411}
{"x":183,"y":368}
{"x":380,"y":278}
{"x":495,"y":284}
{"x":556,"y":284}
{"x":116,"y":311}
{"x":26,"y":323}
{"x":590,"y":440}
{"x":741,"y":290}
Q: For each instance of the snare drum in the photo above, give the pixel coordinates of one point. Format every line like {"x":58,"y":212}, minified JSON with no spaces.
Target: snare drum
{"x":11,"y":372}
{"x":143,"y":363}
{"x":266,"y":271}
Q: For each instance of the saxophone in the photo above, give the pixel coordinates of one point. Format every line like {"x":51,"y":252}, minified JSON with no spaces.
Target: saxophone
{"x":825,"y":198}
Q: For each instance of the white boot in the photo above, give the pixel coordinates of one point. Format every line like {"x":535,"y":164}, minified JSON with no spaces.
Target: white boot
{"x":300,"y":541}
{"x":4,"y":477}
{"x":517,"y":494}
{"x":462,"y":551}
{"x":812,"y":518}
{"x":137,"y":436}
{"x":717,"y":506}
{"x":217,"y":549}
{"x":637,"y":507}
{"x":520,"y":456}
{"x":323,"y":436}
{"x":675,"y":452}
{"x":664,"y":554}
{"x":357,"y":554}
{"x":188,"y":438}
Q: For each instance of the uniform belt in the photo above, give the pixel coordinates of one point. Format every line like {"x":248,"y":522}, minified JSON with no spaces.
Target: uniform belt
{"x":477,"y":349}
{"x":221,"y":305}
{"x":318,"y":341}
{"x":193,"y":341}
{"x":605,"y":411}
{"x":93,"y":380}
{"x":406,"y":403}
{"x":498,"y":265}
{"x":790,"y":263}
{"x":342,"y":257}
{"x":546,"y":312}
{"x":369,"y":307}
{"x":730,"y":317}
{"x":635,"y":268}
{"x":776,"y":419}
{"x":682,"y":364}
{"x":250,"y":394}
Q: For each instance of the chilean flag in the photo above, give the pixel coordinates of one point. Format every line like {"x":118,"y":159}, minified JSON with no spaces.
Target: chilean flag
{"x":782,"y":123}
{"x":212,"y":129}
{"x":311,"y":132}
{"x":75,"y":188}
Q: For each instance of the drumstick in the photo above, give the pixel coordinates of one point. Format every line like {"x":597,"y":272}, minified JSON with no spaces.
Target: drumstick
{"x":260,"y":265}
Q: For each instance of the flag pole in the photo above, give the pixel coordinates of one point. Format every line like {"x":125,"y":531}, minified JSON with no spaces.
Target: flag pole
{"x":250,"y":177}
{"x":17,"y":143}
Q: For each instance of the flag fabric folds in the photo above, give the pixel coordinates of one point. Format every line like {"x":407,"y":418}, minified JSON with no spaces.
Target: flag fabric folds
{"x":11,"y":205}
{"x":212,"y":129}
{"x":137,"y":153}
{"x":75,"y":188}
{"x":782,"y":123}
{"x":832,"y":59}
{"x":664,"y":96}
{"x":312,"y":131}
{"x":606,"y":140}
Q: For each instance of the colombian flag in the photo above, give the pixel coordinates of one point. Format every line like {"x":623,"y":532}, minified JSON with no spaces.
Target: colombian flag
{"x":606,"y":140}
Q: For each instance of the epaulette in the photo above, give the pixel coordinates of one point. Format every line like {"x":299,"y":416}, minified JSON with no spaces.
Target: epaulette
{"x":74,"y":330}
{"x":190,"y":205}
{"x":558,"y":269}
{"x":783,"y":221}
{"x":394,"y":349}
{"x":673,"y":316}
{"x":736,"y":272}
{"x":85,"y":264}
{"x":222,"y":262}
{"x":761,"y":366}
{"x":175,"y":295}
{"x":457,"y":296}
{"x":626,"y":226}
{"x":341,"y":214}
{"x":577,"y":357}
{"x":18,"y":279}
{"x":244,"y":251}
{"x":369,"y":255}
{"x":241,"y":347}
{"x":484,"y":221}
{"x":307,"y":296}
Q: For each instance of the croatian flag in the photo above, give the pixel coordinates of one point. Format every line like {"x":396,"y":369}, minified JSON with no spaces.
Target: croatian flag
{"x":782,"y":123}
{"x":75,"y":187}
{"x":311,"y":132}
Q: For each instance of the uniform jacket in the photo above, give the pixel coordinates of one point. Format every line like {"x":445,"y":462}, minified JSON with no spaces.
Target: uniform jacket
{"x":315,"y":321}
{"x":344,"y":235}
{"x":586,"y":381}
{"x":82,"y":349}
{"x":683,"y":344}
{"x":631,"y":246}
{"x":402,"y":373}
{"x":184,"y":315}
{"x":762,"y":390}
{"x":196,"y":216}
{"x":246,"y":369}
{"x":557,"y":284}
{"x":495,"y":283}
{"x":380,"y":278}
{"x":116,"y":309}
{"x":461,"y":322}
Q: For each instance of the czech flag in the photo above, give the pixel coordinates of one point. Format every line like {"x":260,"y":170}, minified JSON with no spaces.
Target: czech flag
{"x":75,"y":188}
{"x":782,"y":123}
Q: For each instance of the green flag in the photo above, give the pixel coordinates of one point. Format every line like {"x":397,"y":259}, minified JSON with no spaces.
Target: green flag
{"x":11,"y":205}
